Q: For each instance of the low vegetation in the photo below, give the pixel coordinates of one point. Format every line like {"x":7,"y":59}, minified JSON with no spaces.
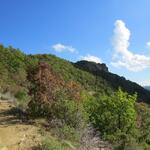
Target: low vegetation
{"x":71,"y":100}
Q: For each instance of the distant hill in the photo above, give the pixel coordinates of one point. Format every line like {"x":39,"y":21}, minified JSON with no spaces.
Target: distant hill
{"x":91,"y":76}
{"x":147,"y":87}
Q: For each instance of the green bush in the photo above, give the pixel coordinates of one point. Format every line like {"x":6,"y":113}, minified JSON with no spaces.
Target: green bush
{"x":67,"y":133}
{"x":113,"y":113}
{"x":22,"y":99}
{"x":51,"y":144}
{"x":54,"y":144}
{"x":21,"y":95}
{"x":126,"y":142}
{"x":143,"y":121}
{"x":69,"y":112}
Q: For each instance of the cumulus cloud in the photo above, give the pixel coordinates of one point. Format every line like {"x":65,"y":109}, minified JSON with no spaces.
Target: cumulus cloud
{"x":91,"y":58}
{"x":63,"y":48}
{"x":123,"y":57}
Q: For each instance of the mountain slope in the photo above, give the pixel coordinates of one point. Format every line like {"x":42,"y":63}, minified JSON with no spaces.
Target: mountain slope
{"x":91,"y":76}
{"x":115,"y":81}
{"x":14,"y":65}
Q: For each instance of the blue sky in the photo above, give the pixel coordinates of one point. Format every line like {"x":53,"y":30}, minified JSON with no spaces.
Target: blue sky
{"x":115,"y":32}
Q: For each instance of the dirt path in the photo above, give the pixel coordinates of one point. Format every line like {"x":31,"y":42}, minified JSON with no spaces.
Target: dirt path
{"x":15,"y":134}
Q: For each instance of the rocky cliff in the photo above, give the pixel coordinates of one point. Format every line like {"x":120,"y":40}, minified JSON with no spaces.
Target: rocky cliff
{"x":91,"y":66}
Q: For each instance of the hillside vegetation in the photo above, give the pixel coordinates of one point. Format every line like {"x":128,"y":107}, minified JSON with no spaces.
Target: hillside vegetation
{"x":14,"y":65}
{"x":78,"y":103}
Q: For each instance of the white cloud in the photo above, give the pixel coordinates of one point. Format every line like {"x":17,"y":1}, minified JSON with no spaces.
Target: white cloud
{"x":91,"y":58}
{"x":148,"y":44}
{"x":63,"y":48}
{"x":144,"y":83}
{"x":123,"y":57}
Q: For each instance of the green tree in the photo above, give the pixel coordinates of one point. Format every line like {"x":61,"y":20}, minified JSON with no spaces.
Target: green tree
{"x":114,"y":113}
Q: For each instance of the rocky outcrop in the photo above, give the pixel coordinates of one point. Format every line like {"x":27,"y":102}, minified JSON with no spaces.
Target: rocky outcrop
{"x":114,"y":80}
{"x":91,"y":66}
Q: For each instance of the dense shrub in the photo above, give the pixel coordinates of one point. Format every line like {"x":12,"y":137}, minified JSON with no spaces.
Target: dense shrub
{"x":55,"y":144}
{"x":68,"y":112}
{"x":126,"y":142}
{"x":66,"y":118}
{"x":21,"y":95}
{"x":22,"y":99}
{"x":57,"y":101}
{"x":143,"y":123}
{"x":44,"y":84}
{"x":51,"y":144}
{"x":113,"y":113}
{"x":52,"y":98}
{"x":66,"y":132}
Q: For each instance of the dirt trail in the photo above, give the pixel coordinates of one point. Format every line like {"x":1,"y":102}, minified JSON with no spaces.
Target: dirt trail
{"x":14,"y":133}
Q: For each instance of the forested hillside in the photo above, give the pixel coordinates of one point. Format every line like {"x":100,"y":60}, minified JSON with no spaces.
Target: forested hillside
{"x":14,"y":65}
{"x":83,"y":105}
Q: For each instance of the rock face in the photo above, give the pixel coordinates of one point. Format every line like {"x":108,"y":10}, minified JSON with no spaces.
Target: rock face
{"x":91,"y":66}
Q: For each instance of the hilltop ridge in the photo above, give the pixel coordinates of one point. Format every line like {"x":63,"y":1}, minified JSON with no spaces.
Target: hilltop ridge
{"x":91,"y":76}
{"x":114,"y":80}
